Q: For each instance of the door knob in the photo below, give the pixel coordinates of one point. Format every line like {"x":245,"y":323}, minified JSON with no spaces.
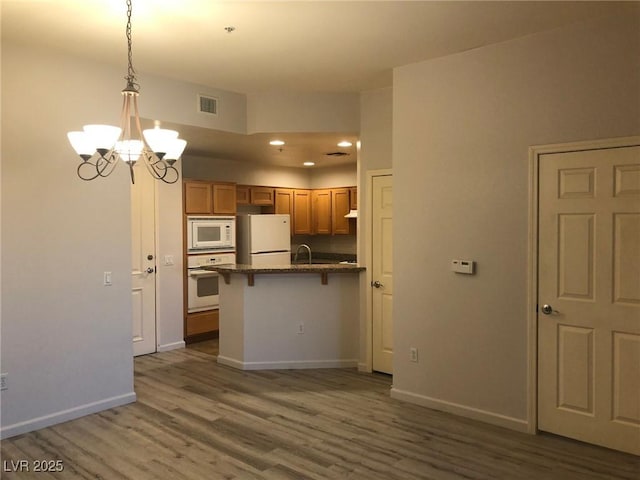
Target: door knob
{"x":547,"y":309}
{"x":376,"y":284}
{"x":151,"y":270}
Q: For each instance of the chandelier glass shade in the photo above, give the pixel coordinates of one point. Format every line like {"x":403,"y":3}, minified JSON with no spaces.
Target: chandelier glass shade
{"x":102,"y":147}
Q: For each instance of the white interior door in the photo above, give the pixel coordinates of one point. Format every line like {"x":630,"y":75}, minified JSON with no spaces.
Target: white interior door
{"x":589,"y":278}
{"x":382,"y":274}
{"x":143,"y":262}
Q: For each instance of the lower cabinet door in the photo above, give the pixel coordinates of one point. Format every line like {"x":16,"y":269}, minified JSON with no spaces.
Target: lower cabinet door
{"x":202,"y":322}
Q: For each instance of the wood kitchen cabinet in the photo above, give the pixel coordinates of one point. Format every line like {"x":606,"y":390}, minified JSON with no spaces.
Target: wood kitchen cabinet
{"x":302,"y":212}
{"x":283,"y":204}
{"x":321,"y":211}
{"x":340,"y":205}
{"x":198,"y":198}
{"x":209,"y":198}
{"x":329,"y":207}
{"x":353,"y":198}
{"x":224,"y":199}
{"x":254,"y":195}
{"x":263,"y":196}
{"x":242,"y":195}
{"x":296,"y":203}
{"x":283,"y":201}
{"x":202,"y":322}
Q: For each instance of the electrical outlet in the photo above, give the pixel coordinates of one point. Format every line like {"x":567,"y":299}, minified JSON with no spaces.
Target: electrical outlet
{"x":300,"y":328}
{"x":413,"y":354}
{"x":3,"y":381}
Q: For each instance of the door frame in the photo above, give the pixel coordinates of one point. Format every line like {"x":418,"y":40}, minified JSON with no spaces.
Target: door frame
{"x":368,"y":228}
{"x":535,"y":152}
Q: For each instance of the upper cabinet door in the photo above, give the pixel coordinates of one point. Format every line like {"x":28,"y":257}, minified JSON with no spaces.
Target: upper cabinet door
{"x":339,"y":208}
{"x":283,"y":204}
{"x":353,"y":198}
{"x":302,"y":224}
{"x":242,"y":195}
{"x":198,"y":198}
{"x":207,"y":198}
{"x":262,"y":196}
{"x":224,"y":199}
{"x":321,"y":211}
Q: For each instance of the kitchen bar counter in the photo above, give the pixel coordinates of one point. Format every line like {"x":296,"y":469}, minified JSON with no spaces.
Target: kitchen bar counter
{"x":250,"y":271}
{"x":273,"y":317}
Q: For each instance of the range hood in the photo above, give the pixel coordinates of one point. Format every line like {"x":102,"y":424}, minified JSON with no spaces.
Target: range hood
{"x":352,"y":214}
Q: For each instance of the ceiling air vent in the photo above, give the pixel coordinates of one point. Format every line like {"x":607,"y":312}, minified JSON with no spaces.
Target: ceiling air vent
{"x":337,"y":154}
{"x":208,"y":104}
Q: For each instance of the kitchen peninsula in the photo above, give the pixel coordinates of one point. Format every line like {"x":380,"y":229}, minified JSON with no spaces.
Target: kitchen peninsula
{"x":289,"y":316}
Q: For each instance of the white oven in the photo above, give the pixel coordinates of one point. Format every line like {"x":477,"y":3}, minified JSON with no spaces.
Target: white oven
{"x":211,"y":234}
{"x":202,"y":285}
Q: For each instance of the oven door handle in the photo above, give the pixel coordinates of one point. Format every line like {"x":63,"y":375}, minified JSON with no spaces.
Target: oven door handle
{"x":202,"y":273}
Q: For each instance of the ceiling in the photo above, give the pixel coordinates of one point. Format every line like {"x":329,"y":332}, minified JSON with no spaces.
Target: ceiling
{"x":301,"y":46}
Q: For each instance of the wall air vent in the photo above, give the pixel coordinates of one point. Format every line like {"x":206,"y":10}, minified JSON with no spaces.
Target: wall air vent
{"x":207,"y":104}
{"x":337,"y":154}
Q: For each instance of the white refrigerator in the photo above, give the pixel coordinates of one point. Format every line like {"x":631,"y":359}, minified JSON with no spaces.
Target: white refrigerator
{"x":263,"y":240}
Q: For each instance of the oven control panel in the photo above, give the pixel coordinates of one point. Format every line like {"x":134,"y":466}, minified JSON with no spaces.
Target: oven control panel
{"x":195,"y":261}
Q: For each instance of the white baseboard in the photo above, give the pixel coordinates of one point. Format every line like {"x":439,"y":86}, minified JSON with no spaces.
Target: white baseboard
{"x":462,"y":410}
{"x":363,"y":367}
{"x":65,"y":415}
{"x":229,"y":362}
{"x":286,"y":365}
{"x":171,"y":346}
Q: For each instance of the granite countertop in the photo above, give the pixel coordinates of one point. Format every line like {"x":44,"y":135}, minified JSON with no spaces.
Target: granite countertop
{"x":250,"y":271}
{"x":294,"y":268}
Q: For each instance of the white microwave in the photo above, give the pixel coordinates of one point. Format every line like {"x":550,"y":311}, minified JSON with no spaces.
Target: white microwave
{"x":211,"y":234}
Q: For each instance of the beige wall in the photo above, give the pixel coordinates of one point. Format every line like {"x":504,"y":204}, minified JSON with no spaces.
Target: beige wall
{"x":246,"y":173}
{"x":332,"y":177}
{"x":303,"y":112}
{"x":375,"y":153}
{"x":59,"y":234}
{"x":462,"y":128}
{"x":66,"y":338}
{"x":376,"y":121}
{"x":169,"y":278}
{"x":262,"y":174}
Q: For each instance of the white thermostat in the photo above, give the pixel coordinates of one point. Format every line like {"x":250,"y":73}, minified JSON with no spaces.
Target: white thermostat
{"x":462,"y":266}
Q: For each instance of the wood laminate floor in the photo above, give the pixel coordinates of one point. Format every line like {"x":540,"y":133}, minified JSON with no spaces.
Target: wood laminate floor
{"x":195,"y":419}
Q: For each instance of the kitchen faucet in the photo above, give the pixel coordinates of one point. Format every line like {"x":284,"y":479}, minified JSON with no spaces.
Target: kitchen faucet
{"x":302,"y":245}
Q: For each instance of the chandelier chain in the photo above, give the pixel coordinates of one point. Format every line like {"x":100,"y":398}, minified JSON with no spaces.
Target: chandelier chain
{"x":131,"y":73}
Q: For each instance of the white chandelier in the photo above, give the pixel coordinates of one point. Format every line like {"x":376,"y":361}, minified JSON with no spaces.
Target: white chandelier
{"x":102,"y":146}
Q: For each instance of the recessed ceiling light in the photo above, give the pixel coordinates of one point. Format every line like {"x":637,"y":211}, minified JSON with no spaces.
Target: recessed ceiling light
{"x":345,"y":144}
{"x":309,"y":164}
{"x":276,"y":143}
